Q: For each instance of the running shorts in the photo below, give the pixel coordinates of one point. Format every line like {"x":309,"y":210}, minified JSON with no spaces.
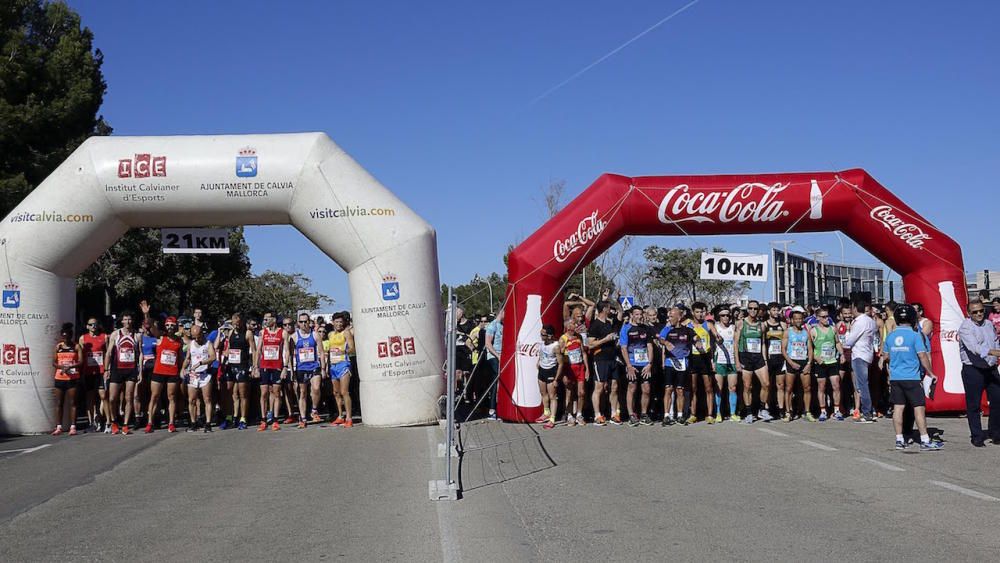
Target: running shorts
{"x":602,"y":370}
{"x":199,"y":379}
{"x":675,"y":378}
{"x":909,"y":393}
{"x":340,"y":369}
{"x":618,"y":371}
{"x":846,"y":367}
{"x":66,"y":384}
{"x":699,"y":364}
{"x":270,"y":377}
{"x":751,"y":362}
{"x":237,"y":374}
{"x":802,"y":366}
{"x":121,"y":376}
{"x":306,"y":376}
{"x":775,"y":365}
{"x":824,"y":371}
{"x":725,"y":369}
{"x":164,"y":379}
{"x":578,"y":372}
{"x":463,"y":360}
{"x":547,"y":375}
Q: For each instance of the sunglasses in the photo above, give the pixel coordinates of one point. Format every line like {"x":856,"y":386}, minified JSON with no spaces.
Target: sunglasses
{"x":751,"y":308}
{"x":304,"y":322}
{"x":822,"y":316}
{"x":977,"y":311}
{"x":724,"y":315}
{"x":91,"y":324}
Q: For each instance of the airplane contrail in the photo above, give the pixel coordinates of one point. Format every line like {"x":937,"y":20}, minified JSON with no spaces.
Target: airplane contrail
{"x":611,"y":53}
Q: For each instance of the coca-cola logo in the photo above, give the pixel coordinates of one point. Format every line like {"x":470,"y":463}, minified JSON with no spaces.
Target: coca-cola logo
{"x":588,"y":229}
{"x":530,"y":350}
{"x":909,"y":233}
{"x":949,"y":336}
{"x":749,"y":202}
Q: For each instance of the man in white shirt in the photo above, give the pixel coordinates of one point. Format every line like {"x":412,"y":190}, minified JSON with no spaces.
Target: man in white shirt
{"x":861,"y":339}
{"x":980,"y":348}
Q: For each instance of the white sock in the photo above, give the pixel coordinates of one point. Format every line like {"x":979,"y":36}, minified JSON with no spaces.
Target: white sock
{"x":899,"y":437}
{"x":925,"y":439}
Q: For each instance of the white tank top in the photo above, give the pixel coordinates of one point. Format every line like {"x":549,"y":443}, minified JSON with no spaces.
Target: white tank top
{"x":724,"y":352}
{"x":199,"y":353}
{"x":547,"y":355}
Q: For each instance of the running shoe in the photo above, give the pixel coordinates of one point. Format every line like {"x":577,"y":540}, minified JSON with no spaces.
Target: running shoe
{"x":190,"y":428}
{"x":822,"y":416}
{"x":856,"y":415}
{"x":302,"y":424}
{"x":171,"y":428}
{"x":542,"y":419}
{"x":900,"y":445}
{"x":492,"y":415}
{"x":98,"y":427}
{"x":765,"y":416}
{"x":748,"y":419}
{"x":645,"y":420}
{"x":72,"y":430}
{"x":114,"y":428}
{"x":864,"y":419}
{"x":348,"y":423}
{"x":339,"y":420}
{"x":600,"y":421}
{"x":262,"y":427}
{"x":107,"y":428}
{"x":787,"y":417}
{"x":837,"y":415}
{"x":810,"y":417}
{"x":549,"y":425}
{"x":290,"y":420}
{"x":580,"y":421}
{"x":691,"y":419}
{"x":667,"y":421}
{"x":242,"y":425}
{"x":931,"y":446}
{"x":126,"y":430}
{"x":269,"y":418}
{"x":683,"y":421}
{"x":275,"y":426}
{"x":315,"y":417}
{"x":718,"y":417}
{"x":735,"y":417}
{"x":710,"y":419}
{"x":570,"y":421}
{"x":633,"y":420}
{"x":58,"y":431}
{"x":208,"y":427}
{"x":616,"y":419}
{"x":224,"y":425}
{"x":149,"y":428}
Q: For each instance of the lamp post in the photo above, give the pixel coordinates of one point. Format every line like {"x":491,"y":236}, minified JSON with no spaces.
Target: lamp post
{"x":786,"y":273}
{"x":480,"y":279}
{"x":816,"y":255}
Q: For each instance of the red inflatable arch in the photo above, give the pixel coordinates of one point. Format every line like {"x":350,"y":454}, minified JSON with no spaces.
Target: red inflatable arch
{"x":850,"y":201}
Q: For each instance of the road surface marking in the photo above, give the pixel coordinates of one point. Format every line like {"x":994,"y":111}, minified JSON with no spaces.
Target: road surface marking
{"x":26,"y":450}
{"x":773,"y":432}
{"x":450,"y":549}
{"x":817,"y":446}
{"x":964,"y":491}
{"x":881,"y":464}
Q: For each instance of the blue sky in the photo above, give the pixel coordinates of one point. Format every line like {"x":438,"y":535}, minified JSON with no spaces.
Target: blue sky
{"x":435,"y":99}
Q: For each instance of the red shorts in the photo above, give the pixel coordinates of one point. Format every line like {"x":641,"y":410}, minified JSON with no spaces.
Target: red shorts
{"x":578,"y":371}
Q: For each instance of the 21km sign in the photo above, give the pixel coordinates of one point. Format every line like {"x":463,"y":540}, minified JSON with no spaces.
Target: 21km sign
{"x":736,"y":267}
{"x":195,"y":241}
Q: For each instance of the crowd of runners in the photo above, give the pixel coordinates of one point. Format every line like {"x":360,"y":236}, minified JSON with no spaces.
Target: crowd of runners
{"x":762,"y":362}
{"x":148,"y":373}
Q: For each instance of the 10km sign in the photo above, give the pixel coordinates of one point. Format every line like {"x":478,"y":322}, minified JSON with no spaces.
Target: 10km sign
{"x":736,"y":267}
{"x":195,"y":241}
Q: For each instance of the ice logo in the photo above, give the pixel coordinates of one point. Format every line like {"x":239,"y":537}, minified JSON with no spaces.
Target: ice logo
{"x":11,"y":296}
{"x":390,"y":288}
{"x":246,"y":163}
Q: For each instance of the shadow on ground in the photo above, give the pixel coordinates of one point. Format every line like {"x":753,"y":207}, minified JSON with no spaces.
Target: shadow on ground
{"x":492,"y":452}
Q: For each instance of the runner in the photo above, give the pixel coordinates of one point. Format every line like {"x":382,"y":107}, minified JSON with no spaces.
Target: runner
{"x":150,"y":332}
{"x":751,"y":360}
{"x":826,"y":350}
{"x":677,"y":340}
{"x":601,"y":343}
{"x":197,"y":361}
{"x":94,"y":343}
{"x":775,"y":327}
{"x":67,"y":359}
{"x":463,"y":352}
{"x":237,"y":361}
{"x":166,"y":370}
{"x":636,"y":342}
{"x":575,"y":379}
{"x":302,"y":348}
{"x":724,"y":333}
{"x":846,"y":372}
{"x":700,"y":364}
{"x":270,"y":359}
{"x":340,"y":342}
{"x":289,"y":387}
{"x":550,"y":362}
{"x":494,"y":345}
{"x":797,"y":350}
{"x":122,"y":364}
{"x":907,"y":353}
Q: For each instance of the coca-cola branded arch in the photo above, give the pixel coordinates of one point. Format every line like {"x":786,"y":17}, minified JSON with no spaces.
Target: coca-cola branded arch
{"x":851,"y":201}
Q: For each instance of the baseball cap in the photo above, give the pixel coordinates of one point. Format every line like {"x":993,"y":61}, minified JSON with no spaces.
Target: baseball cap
{"x":798,"y":309}
{"x":170,"y":320}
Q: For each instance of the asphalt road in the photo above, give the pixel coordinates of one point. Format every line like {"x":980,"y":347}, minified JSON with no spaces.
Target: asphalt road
{"x":781,"y":491}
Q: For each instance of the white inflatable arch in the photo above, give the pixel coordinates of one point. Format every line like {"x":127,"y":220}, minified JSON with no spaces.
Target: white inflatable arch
{"x":111,"y":184}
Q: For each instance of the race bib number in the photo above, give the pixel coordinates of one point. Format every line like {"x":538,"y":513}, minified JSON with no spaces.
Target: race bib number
{"x":271,"y":352}
{"x":724,"y":353}
{"x":753,"y":345}
{"x":95,"y":359}
{"x":307,"y":354}
{"x":126,"y":355}
{"x":640,"y":356}
{"x":774,"y":348}
{"x":799,"y":351}
{"x":575,"y":356}
{"x":234,"y":355}
{"x":336,"y":356}
{"x":679,"y":364}
{"x":843,"y":339}
{"x":168,"y":358}
{"x":827,"y":351}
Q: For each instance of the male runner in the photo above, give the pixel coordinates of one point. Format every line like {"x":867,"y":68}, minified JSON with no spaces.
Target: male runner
{"x":310,"y":365}
{"x":907,"y":353}
{"x":166,"y":370}
{"x":677,"y":340}
{"x":339,"y":344}
{"x":846,"y":372}
{"x":289,"y":387}
{"x":774,"y":334}
{"x":601,"y":342}
{"x":636,"y":342}
{"x":571,"y":346}
{"x":94,"y":343}
{"x":122,"y":364}
{"x":550,"y":362}
{"x":238,"y":364}
{"x":826,"y":351}
{"x":797,"y":351}
{"x":270,"y":358}
{"x":700,"y":365}
{"x":199,"y":357}
{"x":724,"y":333}
{"x":751,"y":361}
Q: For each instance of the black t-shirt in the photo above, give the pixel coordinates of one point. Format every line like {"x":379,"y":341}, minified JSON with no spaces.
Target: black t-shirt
{"x":462,"y":336}
{"x":682,"y":338}
{"x":598,"y":330}
{"x":637,"y":338}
